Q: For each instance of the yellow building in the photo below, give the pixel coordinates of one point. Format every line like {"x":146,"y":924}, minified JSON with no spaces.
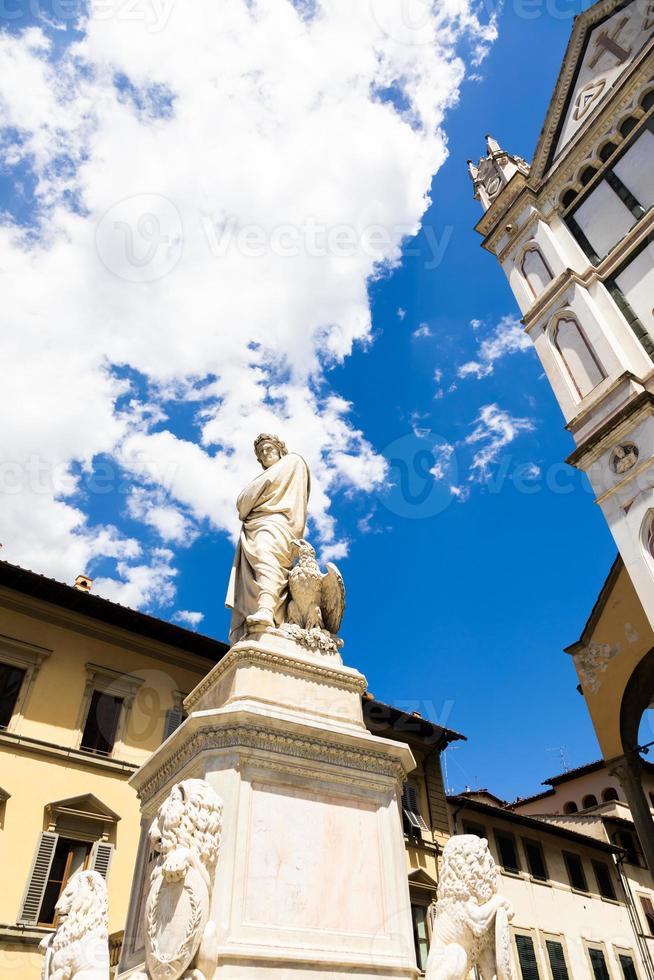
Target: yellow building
{"x":88,"y":689}
{"x":614,"y":659}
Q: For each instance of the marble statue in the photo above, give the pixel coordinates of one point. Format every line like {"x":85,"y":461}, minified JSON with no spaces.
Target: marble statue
{"x":273,"y":511}
{"x":317,"y":601}
{"x":179,"y":939}
{"x":79,"y":949}
{"x":471,"y":922}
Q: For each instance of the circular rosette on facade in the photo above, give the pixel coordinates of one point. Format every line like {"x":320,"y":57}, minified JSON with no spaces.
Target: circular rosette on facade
{"x":503,"y":946}
{"x":176,"y":915}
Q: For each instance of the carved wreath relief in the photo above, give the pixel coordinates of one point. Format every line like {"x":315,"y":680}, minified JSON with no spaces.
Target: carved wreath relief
{"x":471,"y":922}
{"x":186,"y":834}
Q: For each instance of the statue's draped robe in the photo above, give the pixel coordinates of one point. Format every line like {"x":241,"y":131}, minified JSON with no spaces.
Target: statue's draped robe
{"x":273,"y":509}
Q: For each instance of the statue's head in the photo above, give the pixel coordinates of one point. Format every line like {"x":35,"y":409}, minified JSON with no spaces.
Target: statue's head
{"x":82,"y":907}
{"x":269,"y":449}
{"x":467,"y":870}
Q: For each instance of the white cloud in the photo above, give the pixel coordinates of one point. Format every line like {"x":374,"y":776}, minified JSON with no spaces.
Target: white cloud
{"x":401,"y":313}
{"x":460,"y":493}
{"x":332,"y":552}
{"x":210,"y":186}
{"x":442,"y":467}
{"x":141,"y":585}
{"x":169,"y":521}
{"x":423,"y":331}
{"x":530,"y":471}
{"x":438,"y":375}
{"x":508,"y":337}
{"x":188,"y":618}
{"x":494,"y":430}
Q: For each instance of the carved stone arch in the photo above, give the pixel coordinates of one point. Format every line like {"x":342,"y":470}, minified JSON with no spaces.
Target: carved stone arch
{"x":647,"y":536}
{"x":535,"y":269}
{"x":637,"y":697}
{"x":582,"y":368}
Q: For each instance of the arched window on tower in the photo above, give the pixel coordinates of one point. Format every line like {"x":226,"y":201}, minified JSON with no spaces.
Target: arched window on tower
{"x":582,"y":367}
{"x":588,"y":801}
{"x":535,"y":270}
{"x":570,"y":807}
{"x":608,"y":794}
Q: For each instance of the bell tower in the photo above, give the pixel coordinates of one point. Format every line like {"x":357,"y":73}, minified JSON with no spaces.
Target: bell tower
{"x":494,"y":171}
{"x":574,"y":234}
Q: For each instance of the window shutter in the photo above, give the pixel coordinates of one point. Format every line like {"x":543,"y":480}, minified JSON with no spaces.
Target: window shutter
{"x":599,"y":964}
{"x":557,"y":960}
{"x":101,"y":855}
{"x":527,"y":958}
{"x":38,"y":879}
{"x":174,"y":718}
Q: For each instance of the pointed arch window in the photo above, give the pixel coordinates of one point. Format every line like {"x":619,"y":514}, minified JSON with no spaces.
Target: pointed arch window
{"x":582,"y":367}
{"x":535,"y":270}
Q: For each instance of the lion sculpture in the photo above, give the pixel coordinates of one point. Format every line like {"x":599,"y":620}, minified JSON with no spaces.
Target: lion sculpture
{"x":79,"y":949}
{"x":179,"y":939}
{"x":471,"y":920}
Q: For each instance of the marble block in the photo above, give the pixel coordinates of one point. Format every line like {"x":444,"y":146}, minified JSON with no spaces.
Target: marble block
{"x":311,"y":878}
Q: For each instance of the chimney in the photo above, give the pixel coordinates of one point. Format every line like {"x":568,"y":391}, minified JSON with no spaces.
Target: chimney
{"x":83,"y":583}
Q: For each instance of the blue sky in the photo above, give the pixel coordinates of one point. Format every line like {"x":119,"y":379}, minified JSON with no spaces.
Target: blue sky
{"x":465,"y":583}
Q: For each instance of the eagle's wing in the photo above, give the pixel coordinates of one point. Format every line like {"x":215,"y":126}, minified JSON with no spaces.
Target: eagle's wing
{"x":332,"y":598}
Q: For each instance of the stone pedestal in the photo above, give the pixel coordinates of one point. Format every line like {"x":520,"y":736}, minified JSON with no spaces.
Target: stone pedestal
{"x":311,"y":879}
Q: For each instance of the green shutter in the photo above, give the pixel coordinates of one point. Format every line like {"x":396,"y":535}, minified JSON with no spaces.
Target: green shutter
{"x":527,"y":958}
{"x":557,"y":960}
{"x":598,"y":964}
{"x":628,"y":968}
{"x":101,"y":858}
{"x":38,"y":879}
{"x":174,"y":718}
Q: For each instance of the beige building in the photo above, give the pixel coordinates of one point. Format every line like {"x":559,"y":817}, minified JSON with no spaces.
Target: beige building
{"x":88,"y":689}
{"x":424,"y":805}
{"x":579,"y":912}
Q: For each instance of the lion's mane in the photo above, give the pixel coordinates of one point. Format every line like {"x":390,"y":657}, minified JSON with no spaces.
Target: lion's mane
{"x":190,"y":817}
{"x":467,"y":871}
{"x":88,"y":911}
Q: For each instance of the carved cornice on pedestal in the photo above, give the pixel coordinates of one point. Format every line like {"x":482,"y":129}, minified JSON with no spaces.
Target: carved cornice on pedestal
{"x":313,"y":749}
{"x":260,"y":653}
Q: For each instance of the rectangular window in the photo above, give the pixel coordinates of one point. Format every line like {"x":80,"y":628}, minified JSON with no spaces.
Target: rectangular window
{"x":508,"y":851}
{"x":604,"y":879}
{"x":535,"y":860}
{"x":420,"y":936}
{"x":69,"y":856}
{"x":627,"y":966}
{"x":556,"y":956}
{"x":413,"y":821}
{"x":11,"y":680}
{"x":527,"y":957}
{"x":598,"y":963}
{"x":648,"y":912}
{"x":636,"y":282}
{"x":604,"y":218}
{"x":575,"y":870}
{"x":635,"y":166}
{"x":101,"y":723}
{"x":475,"y":829}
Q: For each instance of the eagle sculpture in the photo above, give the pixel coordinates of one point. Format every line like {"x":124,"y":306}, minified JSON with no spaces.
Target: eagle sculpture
{"x":317,"y":599}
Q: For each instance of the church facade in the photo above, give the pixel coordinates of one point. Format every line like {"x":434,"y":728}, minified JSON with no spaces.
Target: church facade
{"x":574,"y":234}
